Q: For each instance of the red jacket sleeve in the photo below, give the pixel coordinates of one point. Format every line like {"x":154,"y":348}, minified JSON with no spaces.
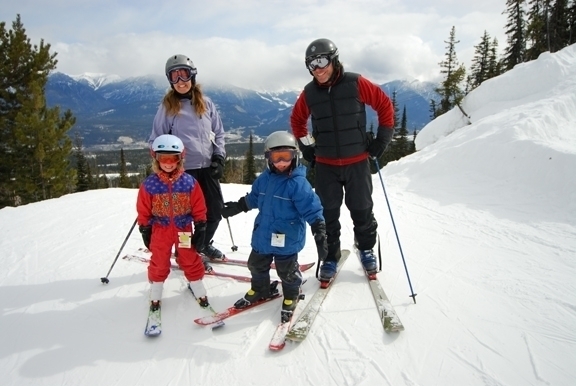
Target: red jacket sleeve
{"x":299,"y":117}
{"x":372,"y":95}
{"x":197,"y":204}
{"x":144,"y":206}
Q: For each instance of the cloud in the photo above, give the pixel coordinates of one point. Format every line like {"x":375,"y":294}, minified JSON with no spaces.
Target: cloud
{"x":254,"y":44}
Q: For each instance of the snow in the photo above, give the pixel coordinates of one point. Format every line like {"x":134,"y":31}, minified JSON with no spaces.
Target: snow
{"x":485,"y":212}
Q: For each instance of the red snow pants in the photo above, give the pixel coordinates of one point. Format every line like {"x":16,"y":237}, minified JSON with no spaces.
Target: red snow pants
{"x":161,"y":243}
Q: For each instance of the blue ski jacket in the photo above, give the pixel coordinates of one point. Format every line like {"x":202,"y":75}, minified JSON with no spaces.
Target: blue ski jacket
{"x":285,"y":204}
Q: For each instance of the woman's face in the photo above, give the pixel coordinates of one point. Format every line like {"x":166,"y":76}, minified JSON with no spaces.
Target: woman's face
{"x":183,"y":87}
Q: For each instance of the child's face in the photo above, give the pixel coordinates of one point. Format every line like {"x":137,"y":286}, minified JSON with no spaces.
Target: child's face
{"x":168,"y":162}
{"x":282,"y":165}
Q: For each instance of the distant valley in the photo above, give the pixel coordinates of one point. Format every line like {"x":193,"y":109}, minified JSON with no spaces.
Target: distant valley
{"x":113,"y":113}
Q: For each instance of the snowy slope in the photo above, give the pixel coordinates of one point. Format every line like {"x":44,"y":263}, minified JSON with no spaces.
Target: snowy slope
{"x":486,"y":216}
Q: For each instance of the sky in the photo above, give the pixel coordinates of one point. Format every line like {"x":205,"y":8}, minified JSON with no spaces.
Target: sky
{"x":256,"y":44}
{"x":486,"y":217}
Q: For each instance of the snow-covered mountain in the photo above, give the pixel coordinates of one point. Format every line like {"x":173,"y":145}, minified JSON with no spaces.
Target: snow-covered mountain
{"x":95,"y":80}
{"x":108,"y":107}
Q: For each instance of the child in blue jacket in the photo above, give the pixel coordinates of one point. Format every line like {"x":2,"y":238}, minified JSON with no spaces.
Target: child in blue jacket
{"x":286,"y":202}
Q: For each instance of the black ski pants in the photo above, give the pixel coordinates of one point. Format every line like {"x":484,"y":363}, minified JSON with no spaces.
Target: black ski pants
{"x":353,"y":184}
{"x":287,"y":269}
{"x":213,"y":197}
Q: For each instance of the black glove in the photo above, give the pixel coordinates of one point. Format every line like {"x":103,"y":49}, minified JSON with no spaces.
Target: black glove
{"x":233,"y":208}
{"x":199,"y":236}
{"x":146,"y":231}
{"x":217,"y":166}
{"x":380,"y":143}
{"x":308,"y":153}
{"x":319,"y":232}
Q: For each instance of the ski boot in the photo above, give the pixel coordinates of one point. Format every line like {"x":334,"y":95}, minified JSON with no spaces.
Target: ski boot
{"x":368,"y":260}
{"x":327,"y":273}
{"x":212,"y":253}
{"x":154,"y":305}
{"x":288,"y":307}
{"x":254,"y":296}
{"x":203,"y":301}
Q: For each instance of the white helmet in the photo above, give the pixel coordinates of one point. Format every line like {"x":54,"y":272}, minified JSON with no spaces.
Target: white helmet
{"x":281,"y":140}
{"x":168,"y":143}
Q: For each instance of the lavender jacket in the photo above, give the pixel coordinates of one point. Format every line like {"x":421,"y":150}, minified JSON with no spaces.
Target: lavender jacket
{"x":202,"y":136}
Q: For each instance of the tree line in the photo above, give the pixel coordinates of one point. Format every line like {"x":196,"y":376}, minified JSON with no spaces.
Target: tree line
{"x":39,"y":160}
{"x":532,"y":27}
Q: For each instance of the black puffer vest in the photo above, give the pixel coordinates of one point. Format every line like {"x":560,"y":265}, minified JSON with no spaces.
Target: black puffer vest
{"x":338,"y":118}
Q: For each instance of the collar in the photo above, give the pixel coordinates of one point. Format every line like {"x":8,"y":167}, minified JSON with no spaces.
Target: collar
{"x":169,"y":177}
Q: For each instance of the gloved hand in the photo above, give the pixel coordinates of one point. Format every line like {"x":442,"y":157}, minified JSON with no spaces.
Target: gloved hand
{"x":233,"y":208}
{"x":308,"y":153}
{"x":217,"y":166}
{"x":380,"y":143}
{"x":199,"y":236}
{"x":146,"y":232}
{"x":319,"y":232}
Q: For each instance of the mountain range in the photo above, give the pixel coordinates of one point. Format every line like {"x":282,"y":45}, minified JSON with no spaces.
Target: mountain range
{"x":112,"y":111}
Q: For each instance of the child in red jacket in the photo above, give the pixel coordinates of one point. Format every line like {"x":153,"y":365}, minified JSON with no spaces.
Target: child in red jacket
{"x":169,"y":201}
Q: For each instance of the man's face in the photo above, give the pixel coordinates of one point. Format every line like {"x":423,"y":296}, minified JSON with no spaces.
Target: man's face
{"x":323,"y":75}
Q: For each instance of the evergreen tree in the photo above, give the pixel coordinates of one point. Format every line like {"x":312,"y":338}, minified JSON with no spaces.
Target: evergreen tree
{"x":515,"y":53}
{"x":249,"y":174}
{"x":233,"y":171}
{"x":90,"y":178}
{"x":396,"y":110}
{"x":433,"y":109}
{"x":34,"y":156}
{"x":124,"y":181}
{"x":480,"y":68}
{"x":559,"y":26}
{"x":42,"y":150}
{"x":413,"y":144}
{"x":537,"y":35}
{"x":572,"y":22}
{"x":494,"y":67}
{"x":103,"y":182}
{"x":83,"y":177}
{"x":450,"y":92}
{"x":401,"y":137}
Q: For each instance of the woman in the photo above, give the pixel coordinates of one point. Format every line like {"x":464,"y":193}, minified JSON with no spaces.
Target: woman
{"x":186,"y":113}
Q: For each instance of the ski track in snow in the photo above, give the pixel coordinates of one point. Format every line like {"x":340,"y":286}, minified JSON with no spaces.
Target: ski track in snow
{"x":532,"y":360}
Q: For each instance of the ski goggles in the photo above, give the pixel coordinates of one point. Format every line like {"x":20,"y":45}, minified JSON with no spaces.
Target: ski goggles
{"x":181,"y":74}
{"x":168,"y":158}
{"x":319,"y":61}
{"x":275,"y":156}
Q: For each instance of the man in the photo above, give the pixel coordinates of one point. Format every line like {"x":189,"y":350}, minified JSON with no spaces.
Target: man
{"x":340,"y":147}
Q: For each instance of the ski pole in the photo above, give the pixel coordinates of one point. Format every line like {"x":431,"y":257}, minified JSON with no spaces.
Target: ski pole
{"x":234,"y":247}
{"x":105,"y":280}
{"x":413,"y":296}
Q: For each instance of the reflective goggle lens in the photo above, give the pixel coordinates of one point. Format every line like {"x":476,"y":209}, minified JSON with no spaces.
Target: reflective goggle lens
{"x":183,"y":74}
{"x":286,"y":155}
{"x":168,"y":158}
{"x":320,"y":61}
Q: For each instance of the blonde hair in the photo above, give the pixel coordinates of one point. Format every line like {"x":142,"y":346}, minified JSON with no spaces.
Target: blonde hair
{"x":157,"y":169}
{"x":172,"y":103}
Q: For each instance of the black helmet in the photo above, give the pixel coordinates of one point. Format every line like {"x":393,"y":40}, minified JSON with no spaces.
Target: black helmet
{"x":322,"y":46}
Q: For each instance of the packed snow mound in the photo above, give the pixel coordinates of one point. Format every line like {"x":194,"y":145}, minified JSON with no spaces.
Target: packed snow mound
{"x":519,"y":140}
